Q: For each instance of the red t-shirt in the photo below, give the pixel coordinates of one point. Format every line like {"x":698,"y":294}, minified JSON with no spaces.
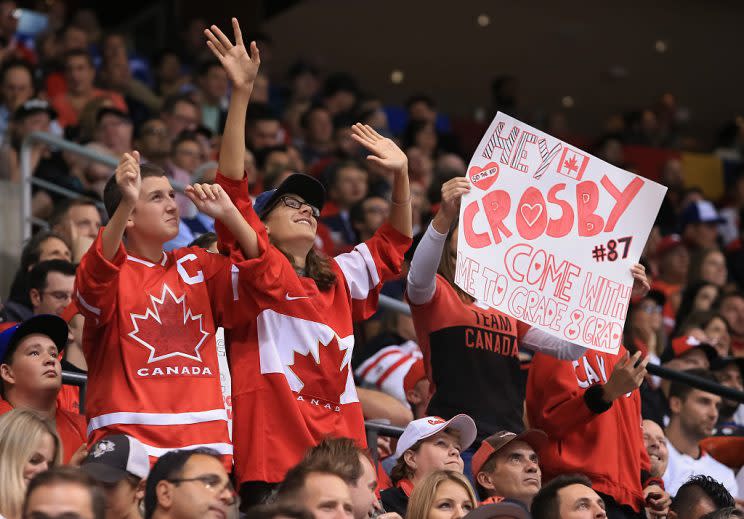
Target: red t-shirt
{"x":70,"y":429}
{"x":607,"y":447}
{"x":290,"y":355}
{"x":149,"y":342}
{"x":471,"y":359}
{"x":67,"y":115}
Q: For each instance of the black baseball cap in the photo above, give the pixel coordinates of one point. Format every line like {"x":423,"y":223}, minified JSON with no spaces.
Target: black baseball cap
{"x":115,"y":457}
{"x":110,"y":110}
{"x":11,"y":334}
{"x":33,"y":106}
{"x":309,"y":188}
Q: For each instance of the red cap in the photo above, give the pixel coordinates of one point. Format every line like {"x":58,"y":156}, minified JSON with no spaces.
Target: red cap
{"x":415,"y":373}
{"x":535,"y":438}
{"x":668,"y":243}
{"x":686,"y":343}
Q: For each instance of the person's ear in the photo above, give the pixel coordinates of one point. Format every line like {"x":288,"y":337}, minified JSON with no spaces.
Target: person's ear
{"x":484,"y":480}
{"x":6,"y":374}
{"x":164,"y":494}
{"x":139,"y":493}
{"x":675,"y":404}
{"x":35,"y":297}
{"x":413,"y":396}
{"x":410,"y":458}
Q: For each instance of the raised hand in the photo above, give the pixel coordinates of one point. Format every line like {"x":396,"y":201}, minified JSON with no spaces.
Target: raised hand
{"x":128,"y":177}
{"x":640,"y":282}
{"x":211,"y":200}
{"x":241,"y":67}
{"x":627,"y":375}
{"x":385,"y":152}
{"x":452,"y":192}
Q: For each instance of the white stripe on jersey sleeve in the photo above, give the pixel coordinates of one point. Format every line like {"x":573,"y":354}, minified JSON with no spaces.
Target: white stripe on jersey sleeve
{"x":360,"y":271}
{"x":125,"y":418}
{"x":92,"y":309}
{"x":221,"y":448}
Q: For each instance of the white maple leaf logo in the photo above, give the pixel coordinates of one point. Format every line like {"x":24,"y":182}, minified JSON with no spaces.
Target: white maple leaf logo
{"x":169,"y":328}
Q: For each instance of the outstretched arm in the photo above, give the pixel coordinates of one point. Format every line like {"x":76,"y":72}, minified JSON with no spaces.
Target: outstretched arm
{"x":129,"y":181}
{"x":241,"y":68}
{"x":388,"y":155}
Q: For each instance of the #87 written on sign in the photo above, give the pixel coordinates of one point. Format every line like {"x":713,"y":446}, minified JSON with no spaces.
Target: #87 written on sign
{"x":548,"y":234}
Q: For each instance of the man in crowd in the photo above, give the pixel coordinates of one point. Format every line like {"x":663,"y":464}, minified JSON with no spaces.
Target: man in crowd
{"x":368,"y":215}
{"x":64,"y":492}
{"x":505,"y":466}
{"x":114,"y":130}
{"x":693,"y":415}
{"x":153,"y":142}
{"x":700,"y":222}
{"x":50,"y":286}
{"x":347,"y":185}
{"x":729,"y":371}
{"x":78,"y":220}
{"x":568,"y":496}
{"x":656,"y":447}
{"x":17,"y":86}
{"x":317,"y":127}
{"x":31,"y":376}
{"x":211,"y":81}
{"x":263,"y":128}
{"x":189,"y":484}
{"x":120,"y":465}
{"x":325,"y":494}
{"x":180,"y":113}
{"x":700,"y":495}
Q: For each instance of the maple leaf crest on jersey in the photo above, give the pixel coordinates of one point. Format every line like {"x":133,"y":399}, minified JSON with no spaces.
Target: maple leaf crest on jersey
{"x":322,"y":371}
{"x":169,"y":328}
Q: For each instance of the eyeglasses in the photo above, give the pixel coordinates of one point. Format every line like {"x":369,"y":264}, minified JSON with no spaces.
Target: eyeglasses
{"x":651,"y":309}
{"x":292,"y":202}
{"x":59,"y":295}
{"x":161,"y":132}
{"x":211,"y":482}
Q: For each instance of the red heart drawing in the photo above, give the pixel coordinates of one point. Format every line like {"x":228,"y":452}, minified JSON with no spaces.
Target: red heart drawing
{"x":550,"y":312}
{"x":615,"y":336}
{"x":484,"y":177}
{"x":530,"y":213}
{"x":499,"y":289}
{"x":577,"y":315}
{"x":537,"y":266}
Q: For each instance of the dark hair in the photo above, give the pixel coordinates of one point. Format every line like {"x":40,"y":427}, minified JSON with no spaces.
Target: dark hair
{"x":37,"y":278}
{"x":184,"y":136}
{"x":69,"y":475}
{"x":724,"y":513}
{"x":317,"y":267}
{"x":546,"y":504}
{"x":112,"y":194}
{"x":689,"y":294}
{"x":697,"y":488}
{"x":61,"y":209}
{"x":488,"y":466}
{"x":340,"y":82}
{"x":305,"y":117}
{"x":331,"y":173}
{"x":338,"y":456}
{"x":170,"y":465}
{"x":205,"y":66}
{"x":32,"y":250}
{"x":701,"y":319}
{"x":276,"y":510}
{"x":204,"y":241}
{"x":259,"y":112}
{"x":170,"y":102}
{"x":78,"y":53}
{"x":401,"y":470}
{"x":420,"y":98}
{"x":412,"y":129}
{"x":262,"y":154}
{"x":19,"y":63}
{"x":681,"y":390}
{"x":728,"y":295}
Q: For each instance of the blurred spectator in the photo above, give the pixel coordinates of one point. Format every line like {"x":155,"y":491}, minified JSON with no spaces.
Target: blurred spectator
{"x":422,"y":108}
{"x":708,"y":265}
{"x":420,"y":166}
{"x":699,"y":223}
{"x":569,"y":496}
{"x":28,"y":445}
{"x":114,"y":130}
{"x":166,"y":69}
{"x":80,"y":74}
{"x":443,"y":494}
{"x":714,"y":327}
{"x":596,"y":397}
{"x":153,"y":143}
{"x":304,"y":80}
{"x":31,"y":376}
{"x":64,"y":492}
{"x":42,"y":246}
{"x":698,"y":296}
{"x":506,"y":466}
{"x":193,"y":41}
{"x":51,"y":283}
{"x":426,"y":445}
{"x":644,"y":328}
{"x":346,"y":185}
{"x":729,"y":371}
{"x":17,"y":87}
{"x":208,"y":241}
{"x":186,"y":156}
{"x":325,"y":494}
{"x":674,"y":262}
{"x":423,"y":136}
{"x":120,"y":464}
{"x":189,"y":484}
{"x":693,"y":415}
{"x":731,"y":212}
{"x":78,"y":221}
{"x":340,"y":93}
{"x":731,"y":306}
{"x":698,"y":496}
{"x":180,"y":113}
{"x":211,"y":81}
{"x":117,"y":76}
{"x":317,"y":135}
{"x":656,"y":447}
{"x":263,"y":129}
{"x":115,"y":48}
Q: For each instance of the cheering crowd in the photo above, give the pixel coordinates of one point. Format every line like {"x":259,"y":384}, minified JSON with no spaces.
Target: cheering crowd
{"x":296,"y":209}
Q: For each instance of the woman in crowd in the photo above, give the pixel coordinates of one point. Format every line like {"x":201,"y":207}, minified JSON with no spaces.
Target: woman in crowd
{"x":644,"y":328}
{"x":708,"y":265}
{"x":452,"y":329}
{"x":426,"y":445}
{"x":698,"y":296}
{"x":294,"y":339}
{"x":715,"y":328}
{"x":444,"y":494}
{"x":28,"y":445}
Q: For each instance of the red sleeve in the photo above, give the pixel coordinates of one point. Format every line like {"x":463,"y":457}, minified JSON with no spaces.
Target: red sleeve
{"x":237,"y":190}
{"x":555,"y":402}
{"x":221,"y":278}
{"x":96,"y":283}
{"x":371,"y":264}
{"x":71,"y":428}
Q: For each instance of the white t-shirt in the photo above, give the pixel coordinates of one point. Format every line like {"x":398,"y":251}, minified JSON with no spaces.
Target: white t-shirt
{"x":682,"y":467}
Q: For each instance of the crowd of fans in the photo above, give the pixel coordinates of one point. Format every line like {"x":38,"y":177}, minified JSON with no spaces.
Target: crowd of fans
{"x":527,"y":426}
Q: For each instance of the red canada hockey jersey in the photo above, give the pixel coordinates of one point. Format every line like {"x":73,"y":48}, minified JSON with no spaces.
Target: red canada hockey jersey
{"x":149,"y":341}
{"x":607,"y":447}
{"x":290,"y":351}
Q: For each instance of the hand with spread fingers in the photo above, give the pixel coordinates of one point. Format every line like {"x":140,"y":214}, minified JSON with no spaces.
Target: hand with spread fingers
{"x":241,"y":67}
{"x":385,"y":152}
{"x":627,"y":376}
{"x":211,"y":200}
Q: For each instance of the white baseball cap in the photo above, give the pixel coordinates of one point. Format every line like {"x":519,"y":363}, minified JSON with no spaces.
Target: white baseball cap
{"x":430,"y":425}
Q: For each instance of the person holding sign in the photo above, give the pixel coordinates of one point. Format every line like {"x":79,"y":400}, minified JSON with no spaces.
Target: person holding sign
{"x":471,"y":350}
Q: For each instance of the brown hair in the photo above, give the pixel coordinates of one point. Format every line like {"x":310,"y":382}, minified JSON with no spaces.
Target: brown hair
{"x":448,"y":266}
{"x":401,"y":470}
{"x":112,"y":193}
{"x":318,"y":268}
{"x":423,"y":494}
{"x":70,"y":476}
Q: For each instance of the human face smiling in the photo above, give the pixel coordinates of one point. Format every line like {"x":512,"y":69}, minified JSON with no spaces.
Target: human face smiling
{"x":287,"y":224}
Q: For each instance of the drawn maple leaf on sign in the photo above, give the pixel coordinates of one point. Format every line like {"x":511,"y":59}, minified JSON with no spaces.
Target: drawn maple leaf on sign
{"x":572,"y":164}
{"x":324,"y":376}
{"x":169,"y":328}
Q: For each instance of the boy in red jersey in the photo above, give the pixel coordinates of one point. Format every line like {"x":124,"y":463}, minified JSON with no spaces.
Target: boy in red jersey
{"x":294,"y":343}
{"x":151,"y":316}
